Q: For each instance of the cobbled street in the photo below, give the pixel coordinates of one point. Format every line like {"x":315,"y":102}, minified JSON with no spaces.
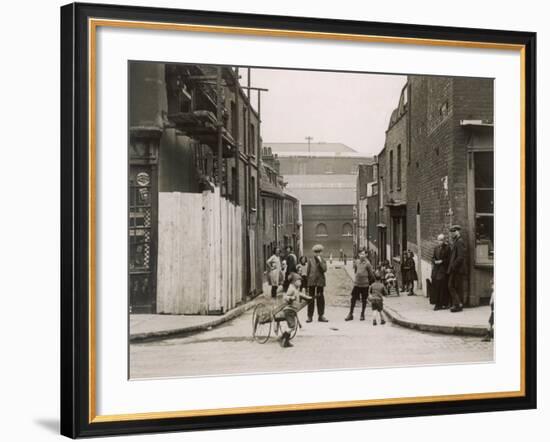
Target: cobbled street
{"x":229,"y":348}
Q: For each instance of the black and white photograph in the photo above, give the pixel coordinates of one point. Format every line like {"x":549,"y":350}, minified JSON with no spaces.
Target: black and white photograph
{"x":284,"y":220}
{"x":274,"y":221}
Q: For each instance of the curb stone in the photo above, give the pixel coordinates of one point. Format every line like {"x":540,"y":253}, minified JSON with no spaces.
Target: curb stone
{"x":464,"y":330}
{"x":192,"y":329}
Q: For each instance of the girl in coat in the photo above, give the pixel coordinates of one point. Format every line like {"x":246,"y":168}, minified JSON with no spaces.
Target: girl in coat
{"x":302,"y":271}
{"x":274,"y":271}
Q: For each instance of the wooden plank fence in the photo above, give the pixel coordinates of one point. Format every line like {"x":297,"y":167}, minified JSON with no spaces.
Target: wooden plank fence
{"x":200,"y":253}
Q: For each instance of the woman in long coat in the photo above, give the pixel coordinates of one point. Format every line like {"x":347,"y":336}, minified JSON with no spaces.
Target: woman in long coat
{"x":440,"y":263}
{"x":411,"y":272}
{"x":405,"y":271}
{"x":274,"y":271}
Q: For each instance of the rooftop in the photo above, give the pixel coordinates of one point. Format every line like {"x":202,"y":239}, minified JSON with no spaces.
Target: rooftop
{"x":321,"y":181}
{"x":319,"y":147}
{"x":325,"y":197}
{"x":325,"y":189}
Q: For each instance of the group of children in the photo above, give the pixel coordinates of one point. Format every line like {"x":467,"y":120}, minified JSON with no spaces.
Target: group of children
{"x":370,"y":285}
{"x":388,"y":277}
{"x":408,"y":274}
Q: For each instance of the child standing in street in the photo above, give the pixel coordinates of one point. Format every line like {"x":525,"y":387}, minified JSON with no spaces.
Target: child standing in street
{"x":302,"y":271}
{"x":289,"y":312}
{"x":364,"y":275}
{"x":377,"y":291}
{"x":274,"y":269}
{"x":410,"y":266}
{"x":390,"y":281}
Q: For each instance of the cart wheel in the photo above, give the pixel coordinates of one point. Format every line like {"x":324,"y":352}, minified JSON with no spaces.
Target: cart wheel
{"x":281,"y":326}
{"x":262,"y":320}
{"x":296,"y":326}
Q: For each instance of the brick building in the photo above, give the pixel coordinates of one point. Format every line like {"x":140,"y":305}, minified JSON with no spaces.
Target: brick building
{"x":392,"y":169}
{"x":323,"y":177}
{"x":373,"y":213}
{"x":280,"y":215}
{"x":436,"y":170}
{"x":450,"y":172}
{"x":367,"y":208}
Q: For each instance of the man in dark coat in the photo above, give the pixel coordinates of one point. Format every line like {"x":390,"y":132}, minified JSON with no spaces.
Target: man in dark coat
{"x":316,"y":269}
{"x":457,"y":268}
{"x":440,"y":264}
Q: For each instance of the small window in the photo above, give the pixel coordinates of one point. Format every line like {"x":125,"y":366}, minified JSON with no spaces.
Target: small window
{"x":391,"y":170}
{"x":484,"y":207}
{"x":252,"y":193}
{"x":347,"y":230}
{"x":234,"y":190}
{"x":263,"y":214}
{"x":321,"y":230}
{"x":399,"y":167}
{"x":245,"y":144}
{"x":444,"y":109}
{"x":234,"y":119}
{"x":381,"y":193}
{"x":252,"y":140}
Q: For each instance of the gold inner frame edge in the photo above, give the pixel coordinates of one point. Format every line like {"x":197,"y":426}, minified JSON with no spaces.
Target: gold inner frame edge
{"x":93,"y":24}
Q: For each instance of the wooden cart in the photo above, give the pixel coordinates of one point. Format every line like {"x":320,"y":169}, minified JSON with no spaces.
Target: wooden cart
{"x":268,"y":319}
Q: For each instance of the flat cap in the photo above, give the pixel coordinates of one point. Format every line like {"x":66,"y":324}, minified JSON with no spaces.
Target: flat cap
{"x":317,"y":248}
{"x":293,"y":277}
{"x":454,"y":228}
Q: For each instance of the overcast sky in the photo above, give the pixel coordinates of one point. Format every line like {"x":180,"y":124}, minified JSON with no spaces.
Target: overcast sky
{"x":353,"y":109}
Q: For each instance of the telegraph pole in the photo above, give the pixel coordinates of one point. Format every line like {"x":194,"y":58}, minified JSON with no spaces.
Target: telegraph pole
{"x":308,"y":138}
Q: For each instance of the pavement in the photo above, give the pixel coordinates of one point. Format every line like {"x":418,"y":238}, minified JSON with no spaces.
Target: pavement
{"x":147,"y":328}
{"x":416,"y":312}
{"x":229,"y":348}
{"x":151,"y":327}
{"x":407,"y":311}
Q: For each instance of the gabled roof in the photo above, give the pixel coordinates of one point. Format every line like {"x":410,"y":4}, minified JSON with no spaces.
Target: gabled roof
{"x":265,"y":184}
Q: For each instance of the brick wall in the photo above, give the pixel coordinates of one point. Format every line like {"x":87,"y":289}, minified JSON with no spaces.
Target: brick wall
{"x":372,"y":221}
{"x":396,"y":140}
{"x":437,"y":171}
{"x":431,"y":162}
{"x":334,"y":217}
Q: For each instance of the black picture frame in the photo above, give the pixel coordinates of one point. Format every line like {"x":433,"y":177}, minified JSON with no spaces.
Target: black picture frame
{"x":75,"y":221}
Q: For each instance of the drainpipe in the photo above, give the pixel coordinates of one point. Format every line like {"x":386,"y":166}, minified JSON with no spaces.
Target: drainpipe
{"x":219,"y":122}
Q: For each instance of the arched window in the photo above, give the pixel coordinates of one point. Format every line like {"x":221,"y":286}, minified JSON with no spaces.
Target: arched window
{"x":347,"y":230}
{"x":321,"y":230}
